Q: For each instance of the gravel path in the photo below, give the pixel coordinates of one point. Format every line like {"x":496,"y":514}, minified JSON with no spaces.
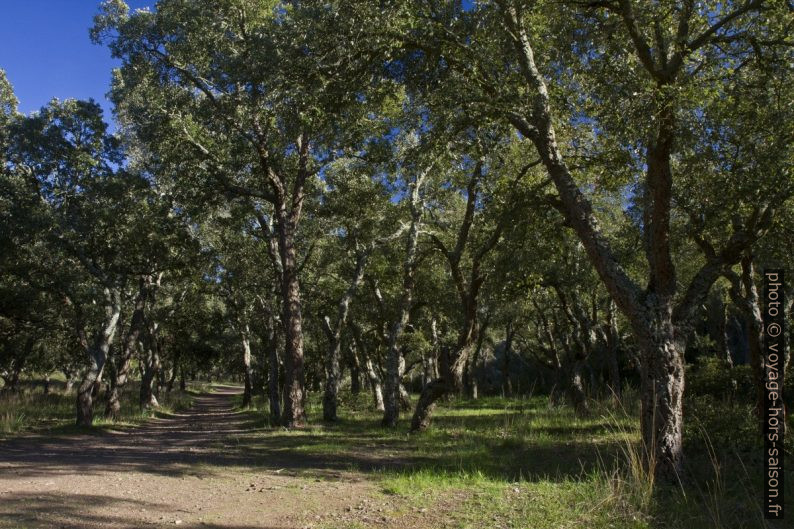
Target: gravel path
{"x":200,"y":468}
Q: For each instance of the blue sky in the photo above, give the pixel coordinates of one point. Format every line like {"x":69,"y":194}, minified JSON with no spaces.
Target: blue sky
{"x":46,"y":52}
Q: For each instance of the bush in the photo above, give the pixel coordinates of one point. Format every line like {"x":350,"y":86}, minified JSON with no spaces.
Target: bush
{"x":713,"y":376}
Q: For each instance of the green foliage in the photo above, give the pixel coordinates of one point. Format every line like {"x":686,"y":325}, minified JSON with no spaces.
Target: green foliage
{"x":712,"y":376}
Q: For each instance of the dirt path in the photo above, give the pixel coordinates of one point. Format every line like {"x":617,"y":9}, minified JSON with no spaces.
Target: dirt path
{"x":184,"y":470}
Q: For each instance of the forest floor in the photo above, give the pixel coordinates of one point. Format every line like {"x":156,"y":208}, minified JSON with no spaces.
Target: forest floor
{"x":492,"y":463}
{"x":183,"y":469}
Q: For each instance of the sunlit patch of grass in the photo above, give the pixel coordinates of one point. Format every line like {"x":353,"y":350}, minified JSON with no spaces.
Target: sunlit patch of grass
{"x":473,"y":499}
{"x":426,"y":482}
{"x":12,"y":421}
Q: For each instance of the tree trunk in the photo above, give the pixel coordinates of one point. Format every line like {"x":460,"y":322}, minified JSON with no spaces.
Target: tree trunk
{"x":377,"y":390}
{"x":355,"y":371}
{"x":332,"y":376}
{"x":475,"y":360}
{"x":507,"y":382}
{"x":147,"y":398}
{"x":273,"y":372}
{"x":247,"y":371}
{"x":451,"y":379}
{"x":394,"y":366}
{"x":112,"y":399}
{"x":391,"y":411}
{"x":85,"y":399}
{"x":612,"y":340}
{"x":169,"y":386}
{"x":471,"y":375}
{"x":124,"y":360}
{"x":151,"y":369}
{"x":97,"y":353}
{"x":369,"y":366}
{"x":427,"y":403}
{"x":404,"y":399}
{"x":716,"y":322}
{"x":662,"y":388}
{"x":430,"y":359}
{"x":12,"y":377}
{"x":12,"y":381}
{"x":440,"y":387}
{"x":70,"y":380}
{"x":745,"y":295}
{"x":576,"y":391}
{"x":332,"y":369}
{"x":294,"y":415}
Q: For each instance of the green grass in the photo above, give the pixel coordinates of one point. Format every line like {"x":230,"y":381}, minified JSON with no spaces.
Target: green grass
{"x":496,"y":462}
{"x":31,"y":410}
{"x":524,"y":463}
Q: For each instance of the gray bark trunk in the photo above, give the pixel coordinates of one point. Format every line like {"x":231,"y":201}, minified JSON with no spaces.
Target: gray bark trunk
{"x":151,"y":369}
{"x":391,"y":404}
{"x":369,"y":366}
{"x":660,"y":329}
{"x":430,"y":360}
{"x":662,"y":388}
{"x":377,"y":390}
{"x":97,"y":353}
{"x":274,"y":395}
{"x":124,"y":360}
{"x":355,"y":371}
{"x":247,"y":370}
{"x":576,"y":391}
{"x":612,"y":354}
{"x":332,"y":369}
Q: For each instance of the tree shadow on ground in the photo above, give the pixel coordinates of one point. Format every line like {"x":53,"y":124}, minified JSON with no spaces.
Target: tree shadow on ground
{"x":48,"y":510}
{"x":213,"y":435}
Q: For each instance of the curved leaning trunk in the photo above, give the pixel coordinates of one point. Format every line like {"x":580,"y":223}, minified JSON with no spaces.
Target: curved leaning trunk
{"x":85,"y":397}
{"x":122,"y":367}
{"x":113,"y":394}
{"x":98,"y":353}
{"x":151,"y":369}
{"x":427,"y":403}
{"x":377,"y":390}
{"x":148,"y":399}
{"x":369,"y":367}
{"x":440,"y":387}
{"x":451,"y":379}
